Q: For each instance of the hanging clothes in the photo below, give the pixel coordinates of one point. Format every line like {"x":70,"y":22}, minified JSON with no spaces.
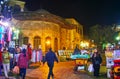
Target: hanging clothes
{"x":1,"y":32}
{"x":37,"y":56}
{"x":9,"y":34}
{"x":33,"y":59}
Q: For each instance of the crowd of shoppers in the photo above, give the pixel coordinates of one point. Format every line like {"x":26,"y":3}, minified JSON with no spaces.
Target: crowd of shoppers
{"x":18,"y":57}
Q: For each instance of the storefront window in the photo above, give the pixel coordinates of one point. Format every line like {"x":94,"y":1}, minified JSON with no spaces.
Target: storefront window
{"x":37,"y":42}
{"x":25,"y":40}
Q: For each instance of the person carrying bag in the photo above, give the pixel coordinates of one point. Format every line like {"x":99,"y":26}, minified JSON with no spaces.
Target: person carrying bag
{"x":90,"y":68}
{"x":96,"y":61}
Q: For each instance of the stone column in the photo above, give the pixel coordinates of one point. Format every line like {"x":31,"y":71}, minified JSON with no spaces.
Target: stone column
{"x":43,"y":43}
{"x":52,"y":43}
{"x":59,"y":43}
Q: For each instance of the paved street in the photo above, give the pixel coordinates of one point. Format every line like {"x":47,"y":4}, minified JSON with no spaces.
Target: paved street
{"x":62,"y":70}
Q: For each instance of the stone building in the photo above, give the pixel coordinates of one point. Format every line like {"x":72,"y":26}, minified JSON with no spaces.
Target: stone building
{"x":43,"y":29}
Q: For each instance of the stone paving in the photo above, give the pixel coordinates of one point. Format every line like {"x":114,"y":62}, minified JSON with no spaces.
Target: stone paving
{"x":2,"y":77}
{"x":10,"y":76}
{"x":62,"y":70}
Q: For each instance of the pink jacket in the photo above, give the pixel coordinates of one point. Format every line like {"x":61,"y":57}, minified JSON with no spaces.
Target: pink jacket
{"x":22,"y":61}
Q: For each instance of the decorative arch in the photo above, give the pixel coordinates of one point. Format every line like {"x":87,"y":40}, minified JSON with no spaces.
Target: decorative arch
{"x":25,"y":40}
{"x":56,"y":44}
{"x":37,"y":42}
{"x":47,"y":43}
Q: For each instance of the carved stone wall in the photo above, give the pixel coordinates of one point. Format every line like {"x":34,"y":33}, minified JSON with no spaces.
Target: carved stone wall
{"x":67,"y":38}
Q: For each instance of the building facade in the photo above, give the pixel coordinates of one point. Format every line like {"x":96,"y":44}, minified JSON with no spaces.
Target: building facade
{"x":44,"y":30}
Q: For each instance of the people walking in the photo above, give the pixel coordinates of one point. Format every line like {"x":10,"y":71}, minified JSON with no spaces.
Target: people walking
{"x":6,"y":62}
{"x":29,"y":52}
{"x":12,"y":52}
{"x":23,"y":63}
{"x":96,"y":60}
{"x":50,"y":57}
{"x":17,"y":53}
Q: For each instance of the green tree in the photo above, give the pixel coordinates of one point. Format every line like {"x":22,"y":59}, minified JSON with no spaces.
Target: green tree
{"x":102,"y":34}
{"x":94,"y":34}
{"x":109,"y":34}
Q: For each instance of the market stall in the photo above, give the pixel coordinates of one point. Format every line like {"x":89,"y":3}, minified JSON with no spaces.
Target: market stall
{"x":109,"y":60}
{"x":112,"y":62}
{"x":80,"y":61}
{"x":64,"y":55}
{"x":115,"y":68}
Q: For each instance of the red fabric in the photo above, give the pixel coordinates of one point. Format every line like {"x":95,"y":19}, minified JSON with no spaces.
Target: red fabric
{"x":117,"y":77}
{"x":116,"y":61}
{"x":29,"y":52}
{"x":116,"y":66}
{"x":0,"y":56}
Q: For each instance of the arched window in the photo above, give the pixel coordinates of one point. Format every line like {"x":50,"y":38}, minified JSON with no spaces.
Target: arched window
{"x":25,"y":40}
{"x":37,"y":42}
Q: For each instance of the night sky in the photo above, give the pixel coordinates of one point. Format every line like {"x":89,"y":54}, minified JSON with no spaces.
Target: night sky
{"x":86,"y":12}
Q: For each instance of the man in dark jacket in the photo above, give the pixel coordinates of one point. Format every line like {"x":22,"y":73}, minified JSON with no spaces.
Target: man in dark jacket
{"x":50,"y":57}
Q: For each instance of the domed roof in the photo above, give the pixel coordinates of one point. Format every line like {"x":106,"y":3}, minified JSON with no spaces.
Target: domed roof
{"x":43,"y":15}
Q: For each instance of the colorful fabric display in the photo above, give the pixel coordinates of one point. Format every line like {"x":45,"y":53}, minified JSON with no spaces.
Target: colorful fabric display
{"x":33,"y":56}
{"x":1,"y":32}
